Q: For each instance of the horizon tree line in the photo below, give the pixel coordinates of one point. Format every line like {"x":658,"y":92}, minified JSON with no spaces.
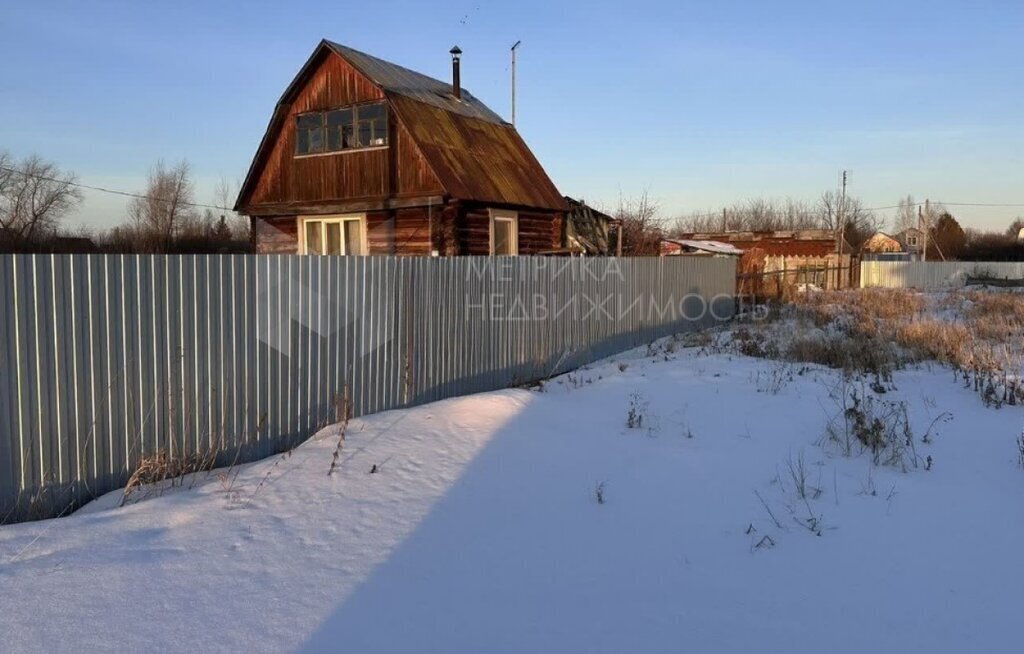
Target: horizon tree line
{"x":36,"y":198}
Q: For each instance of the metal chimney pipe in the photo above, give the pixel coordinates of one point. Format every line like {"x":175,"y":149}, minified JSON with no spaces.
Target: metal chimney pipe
{"x":456,"y":81}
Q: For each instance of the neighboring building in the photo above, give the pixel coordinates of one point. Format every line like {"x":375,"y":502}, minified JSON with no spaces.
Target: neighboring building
{"x":880,"y":243}
{"x":680,"y":246}
{"x":589,"y":232}
{"x":913,"y":241}
{"x":363,"y":156}
{"x":882,"y":247}
{"x":809,"y":256}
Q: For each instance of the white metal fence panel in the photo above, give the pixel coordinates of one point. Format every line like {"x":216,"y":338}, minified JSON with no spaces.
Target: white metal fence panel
{"x":106,"y":359}
{"x":934,"y":274}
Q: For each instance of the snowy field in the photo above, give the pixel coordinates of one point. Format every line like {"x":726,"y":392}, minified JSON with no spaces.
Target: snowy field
{"x":725,"y":519}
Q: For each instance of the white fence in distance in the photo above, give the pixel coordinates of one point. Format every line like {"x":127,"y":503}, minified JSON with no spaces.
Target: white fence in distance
{"x":105,"y":359}
{"x":934,"y":274}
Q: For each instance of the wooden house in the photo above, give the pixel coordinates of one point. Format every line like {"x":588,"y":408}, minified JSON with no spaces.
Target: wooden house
{"x":363,"y":156}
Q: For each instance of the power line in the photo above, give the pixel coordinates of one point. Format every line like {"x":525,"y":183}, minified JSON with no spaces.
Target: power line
{"x":811,"y":212}
{"x":978,"y":204}
{"x":200,"y":205}
{"x":126,"y":194}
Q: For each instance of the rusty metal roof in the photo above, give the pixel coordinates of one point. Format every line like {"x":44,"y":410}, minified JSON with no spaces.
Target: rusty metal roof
{"x":785,"y":243}
{"x":402,"y":81}
{"x":477,"y":160}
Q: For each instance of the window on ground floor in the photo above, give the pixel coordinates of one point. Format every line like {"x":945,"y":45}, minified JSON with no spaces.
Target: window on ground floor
{"x":504,"y":232}
{"x":333,"y":235}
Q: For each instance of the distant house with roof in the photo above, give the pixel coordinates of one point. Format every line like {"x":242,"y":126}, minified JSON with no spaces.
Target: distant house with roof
{"x":913,"y":241}
{"x":804,"y":256}
{"x":363,"y":156}
{"x":883,"y":247}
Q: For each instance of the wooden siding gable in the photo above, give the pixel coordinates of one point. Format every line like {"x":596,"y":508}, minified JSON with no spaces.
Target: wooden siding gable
{"x":278,"y":178}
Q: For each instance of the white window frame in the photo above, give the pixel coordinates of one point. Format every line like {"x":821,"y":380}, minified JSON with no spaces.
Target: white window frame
{"x":331,"y":220}
{"x":502,"y":215}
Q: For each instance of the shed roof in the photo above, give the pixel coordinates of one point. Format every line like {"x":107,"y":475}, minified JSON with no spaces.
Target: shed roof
{"x":712,"y":247}
{"x":787,"y":243}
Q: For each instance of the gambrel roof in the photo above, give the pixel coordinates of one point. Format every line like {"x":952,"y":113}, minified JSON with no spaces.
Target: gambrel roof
{"x":474,"y":154}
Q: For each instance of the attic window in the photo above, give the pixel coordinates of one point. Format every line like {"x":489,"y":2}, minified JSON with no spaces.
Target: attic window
{"x":349,"y":128}
{"x":309,"y":134}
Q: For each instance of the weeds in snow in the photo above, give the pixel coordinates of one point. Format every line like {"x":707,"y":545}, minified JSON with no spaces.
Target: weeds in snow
{"x":768,"y":510}
{"x":160,"y":467}
{"x":867,"y":423}
{"x":932,"y":432}
{"x":599,"y":492}
{"x":772,"y":381}
{"x":637,"y":411}
{"x":800,"y":476}
{"x":345,"y":414}
{"x":813,"y":523}
{"x":287,"y":454}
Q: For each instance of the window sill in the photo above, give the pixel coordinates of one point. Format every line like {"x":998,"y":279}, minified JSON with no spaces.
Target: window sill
{"x":334,"y":152}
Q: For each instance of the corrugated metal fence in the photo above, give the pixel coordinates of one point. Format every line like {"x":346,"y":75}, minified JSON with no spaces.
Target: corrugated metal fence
{"x":105,"y":359}
{"x":934,"y":274}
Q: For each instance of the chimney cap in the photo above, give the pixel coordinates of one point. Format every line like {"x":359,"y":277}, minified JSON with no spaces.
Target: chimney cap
{"x":455,"y":52}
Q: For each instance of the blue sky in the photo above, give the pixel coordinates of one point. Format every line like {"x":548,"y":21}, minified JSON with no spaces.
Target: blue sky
{"x":699,"y":103}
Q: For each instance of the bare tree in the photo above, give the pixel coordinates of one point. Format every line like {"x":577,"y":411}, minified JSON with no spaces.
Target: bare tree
{"x":35,"y":195}
{"x":906,"y":214}
{"x":642,"y":228}
{"x":166,"y":208}
{"x":224,"y":196}
{"x":847,"y":213}
{"x":762,"y":215}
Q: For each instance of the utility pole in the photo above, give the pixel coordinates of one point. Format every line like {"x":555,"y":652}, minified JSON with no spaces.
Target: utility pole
{"x":841,"y":230}
{"x":514,"y":46}
{"x":725,"y":223}
{"x":926,"y":219}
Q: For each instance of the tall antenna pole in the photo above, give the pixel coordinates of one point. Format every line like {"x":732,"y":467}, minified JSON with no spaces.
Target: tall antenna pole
{"x":514,"y":46}
{"x":841,"y":216}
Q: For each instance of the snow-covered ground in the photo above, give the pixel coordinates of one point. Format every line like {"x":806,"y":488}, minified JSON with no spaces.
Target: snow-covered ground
{"x":481,"y":530}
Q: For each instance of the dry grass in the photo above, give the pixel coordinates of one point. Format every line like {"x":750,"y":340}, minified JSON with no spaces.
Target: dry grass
{"x":978,"y":333}
{"x":162,"y":467}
